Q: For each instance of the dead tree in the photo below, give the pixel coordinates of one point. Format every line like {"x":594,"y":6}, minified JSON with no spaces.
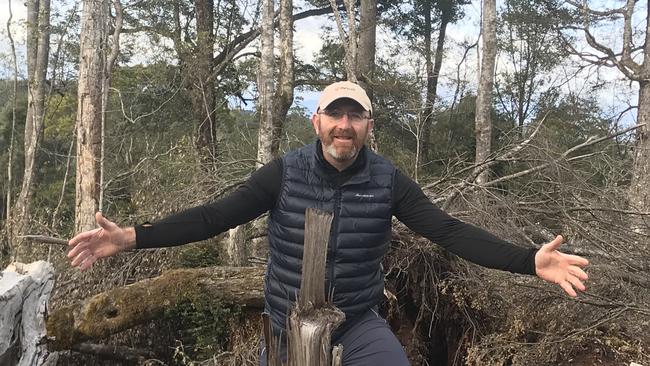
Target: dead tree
{"x":312,"y":319}
{"x":24,"y":292}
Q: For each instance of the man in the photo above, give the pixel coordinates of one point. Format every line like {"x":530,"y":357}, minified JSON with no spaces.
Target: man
{"x":363,"y":190}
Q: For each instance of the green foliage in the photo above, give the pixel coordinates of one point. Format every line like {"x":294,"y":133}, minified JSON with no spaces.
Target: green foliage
{"x":205,"y":254}
{"x":204,"y":325}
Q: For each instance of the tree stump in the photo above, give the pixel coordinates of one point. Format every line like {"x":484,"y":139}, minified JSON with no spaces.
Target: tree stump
{"x":313,"y":318}
{"x":24,"y":292}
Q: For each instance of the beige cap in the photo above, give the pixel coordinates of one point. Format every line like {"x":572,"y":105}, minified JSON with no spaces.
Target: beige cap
{"x":344,"y":89}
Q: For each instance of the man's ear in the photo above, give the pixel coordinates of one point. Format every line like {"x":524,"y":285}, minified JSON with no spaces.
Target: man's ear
{"x":315,"y":122}
{"x":371,"y":125}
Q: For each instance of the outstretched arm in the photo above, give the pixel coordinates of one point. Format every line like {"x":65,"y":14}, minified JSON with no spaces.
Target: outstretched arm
{"x":563,"y":269}
{"x":255,"y":197}
{"x":107,"y":240}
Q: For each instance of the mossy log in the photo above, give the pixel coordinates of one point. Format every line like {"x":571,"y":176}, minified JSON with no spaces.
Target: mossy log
{"x":124,"y":307}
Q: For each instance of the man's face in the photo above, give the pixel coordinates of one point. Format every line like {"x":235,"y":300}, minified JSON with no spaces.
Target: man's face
{"x":343,"y":128}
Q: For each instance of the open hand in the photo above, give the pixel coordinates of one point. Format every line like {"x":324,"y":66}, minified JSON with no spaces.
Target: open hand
{"x":563,"y":269}
{"x":105,"y":241}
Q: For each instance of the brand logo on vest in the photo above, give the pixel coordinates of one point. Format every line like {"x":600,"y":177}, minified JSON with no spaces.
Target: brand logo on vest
{"x":364,"y":195}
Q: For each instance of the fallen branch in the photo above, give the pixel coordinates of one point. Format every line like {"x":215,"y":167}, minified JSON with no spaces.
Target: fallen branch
{"x":114,"y":352}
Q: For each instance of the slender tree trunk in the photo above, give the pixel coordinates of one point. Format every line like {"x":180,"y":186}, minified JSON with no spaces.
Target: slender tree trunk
{"x":202,"y":83}
{"x":265,"y":86}
{"x":365,"y":56}
{"x":483,"y":128}
{"x":10,"y":159}
{"x":236,"y":239}
{"x":38,"y":48}
{"x":367,"y":44}
{"x":284,"y":95}
{"x":108,"y":73}
{"x":433,"y":75}
{"x":639,"y":194}
{"x":94,"y":21}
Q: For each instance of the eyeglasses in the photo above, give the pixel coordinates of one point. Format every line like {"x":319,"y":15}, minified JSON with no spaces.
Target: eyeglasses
{"x":337,"y":115}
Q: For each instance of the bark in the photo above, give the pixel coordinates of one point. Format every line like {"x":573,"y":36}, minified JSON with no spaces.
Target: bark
{"x":365,"y":57}
{"x":94,"y":22}
{"x":121,"y":308}
{"x":283,"y":97}
{"x":433,"y":74}
{"x":483,"y":128}
{"x":10,"y":159}
{"x":639,"y":194}
{"x":367,"y":44}
{"x":349,"y":40}
{"x":106,"y":84}
{"x":265,"y":86}
{"x":38,"y":49}
{"x":202,"y":84}
{"x":265,"y":136}
{"x":24,"y":292}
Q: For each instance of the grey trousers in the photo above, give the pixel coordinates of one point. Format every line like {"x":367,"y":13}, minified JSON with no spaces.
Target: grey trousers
{"x":368,"y":342}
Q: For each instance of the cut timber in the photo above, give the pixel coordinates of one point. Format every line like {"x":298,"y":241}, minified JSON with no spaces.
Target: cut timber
{"x":124,"y":307}
{"x":24,"y":292}
{"x":312,"y":320}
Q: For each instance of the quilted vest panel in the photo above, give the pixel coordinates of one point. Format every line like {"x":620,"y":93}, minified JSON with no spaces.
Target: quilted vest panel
{"x":359,"y":238}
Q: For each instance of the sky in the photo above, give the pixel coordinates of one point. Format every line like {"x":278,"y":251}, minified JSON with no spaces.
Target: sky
{"x":308,"y":40}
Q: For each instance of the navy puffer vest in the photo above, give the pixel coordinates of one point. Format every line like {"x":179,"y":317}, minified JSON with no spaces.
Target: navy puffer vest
{"x":359,"y":237}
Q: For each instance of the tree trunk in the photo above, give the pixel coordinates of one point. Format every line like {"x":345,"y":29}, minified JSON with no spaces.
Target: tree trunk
{"x":265,"y":86}
{"x":38,"y":49}
{"x":24,"y":292}
{"x":433,"y":74}
{"x":94,"y":21}
{"x":121,"y":308}
{"x":284,"y":95}
{"x":483,"y":128}
{"x":312,"y":318}
{"x":106,"y":84}
{"x":6,"y":246}
{"x":639,"y":194}
{"x":265,"y":135}
{"x":367,"y":44}
{"x":202,"y":82}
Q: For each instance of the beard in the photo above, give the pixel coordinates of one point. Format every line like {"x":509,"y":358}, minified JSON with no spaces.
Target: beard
{"x":345,"y":152}
{"x":341,"y":154}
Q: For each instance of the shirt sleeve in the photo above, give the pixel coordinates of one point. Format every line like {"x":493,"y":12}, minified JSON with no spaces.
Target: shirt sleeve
{"x":418,"y":213}
{"x":255,"y":197}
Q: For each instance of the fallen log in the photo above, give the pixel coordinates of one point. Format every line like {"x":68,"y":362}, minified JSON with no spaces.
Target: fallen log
{"x":122,"y":308}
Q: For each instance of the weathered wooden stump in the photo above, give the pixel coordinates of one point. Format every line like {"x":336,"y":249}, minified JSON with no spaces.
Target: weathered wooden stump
{"x":312,"y":319}
{"x":24,"y":292}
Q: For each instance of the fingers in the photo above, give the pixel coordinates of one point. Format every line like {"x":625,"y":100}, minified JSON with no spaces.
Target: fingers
{"x":566,"y":286}
{"x":553,"y":245}
{"x":578,"y":272}
{"x":104,"y":222}
{"x":81,"y":257}
{"x":81,"y":237}
{"x":576,"y":260}
{"x":576,"y":283}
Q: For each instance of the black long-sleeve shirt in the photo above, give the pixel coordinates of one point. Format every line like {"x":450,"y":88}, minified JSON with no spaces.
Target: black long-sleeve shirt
{"x":410,"y":205}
